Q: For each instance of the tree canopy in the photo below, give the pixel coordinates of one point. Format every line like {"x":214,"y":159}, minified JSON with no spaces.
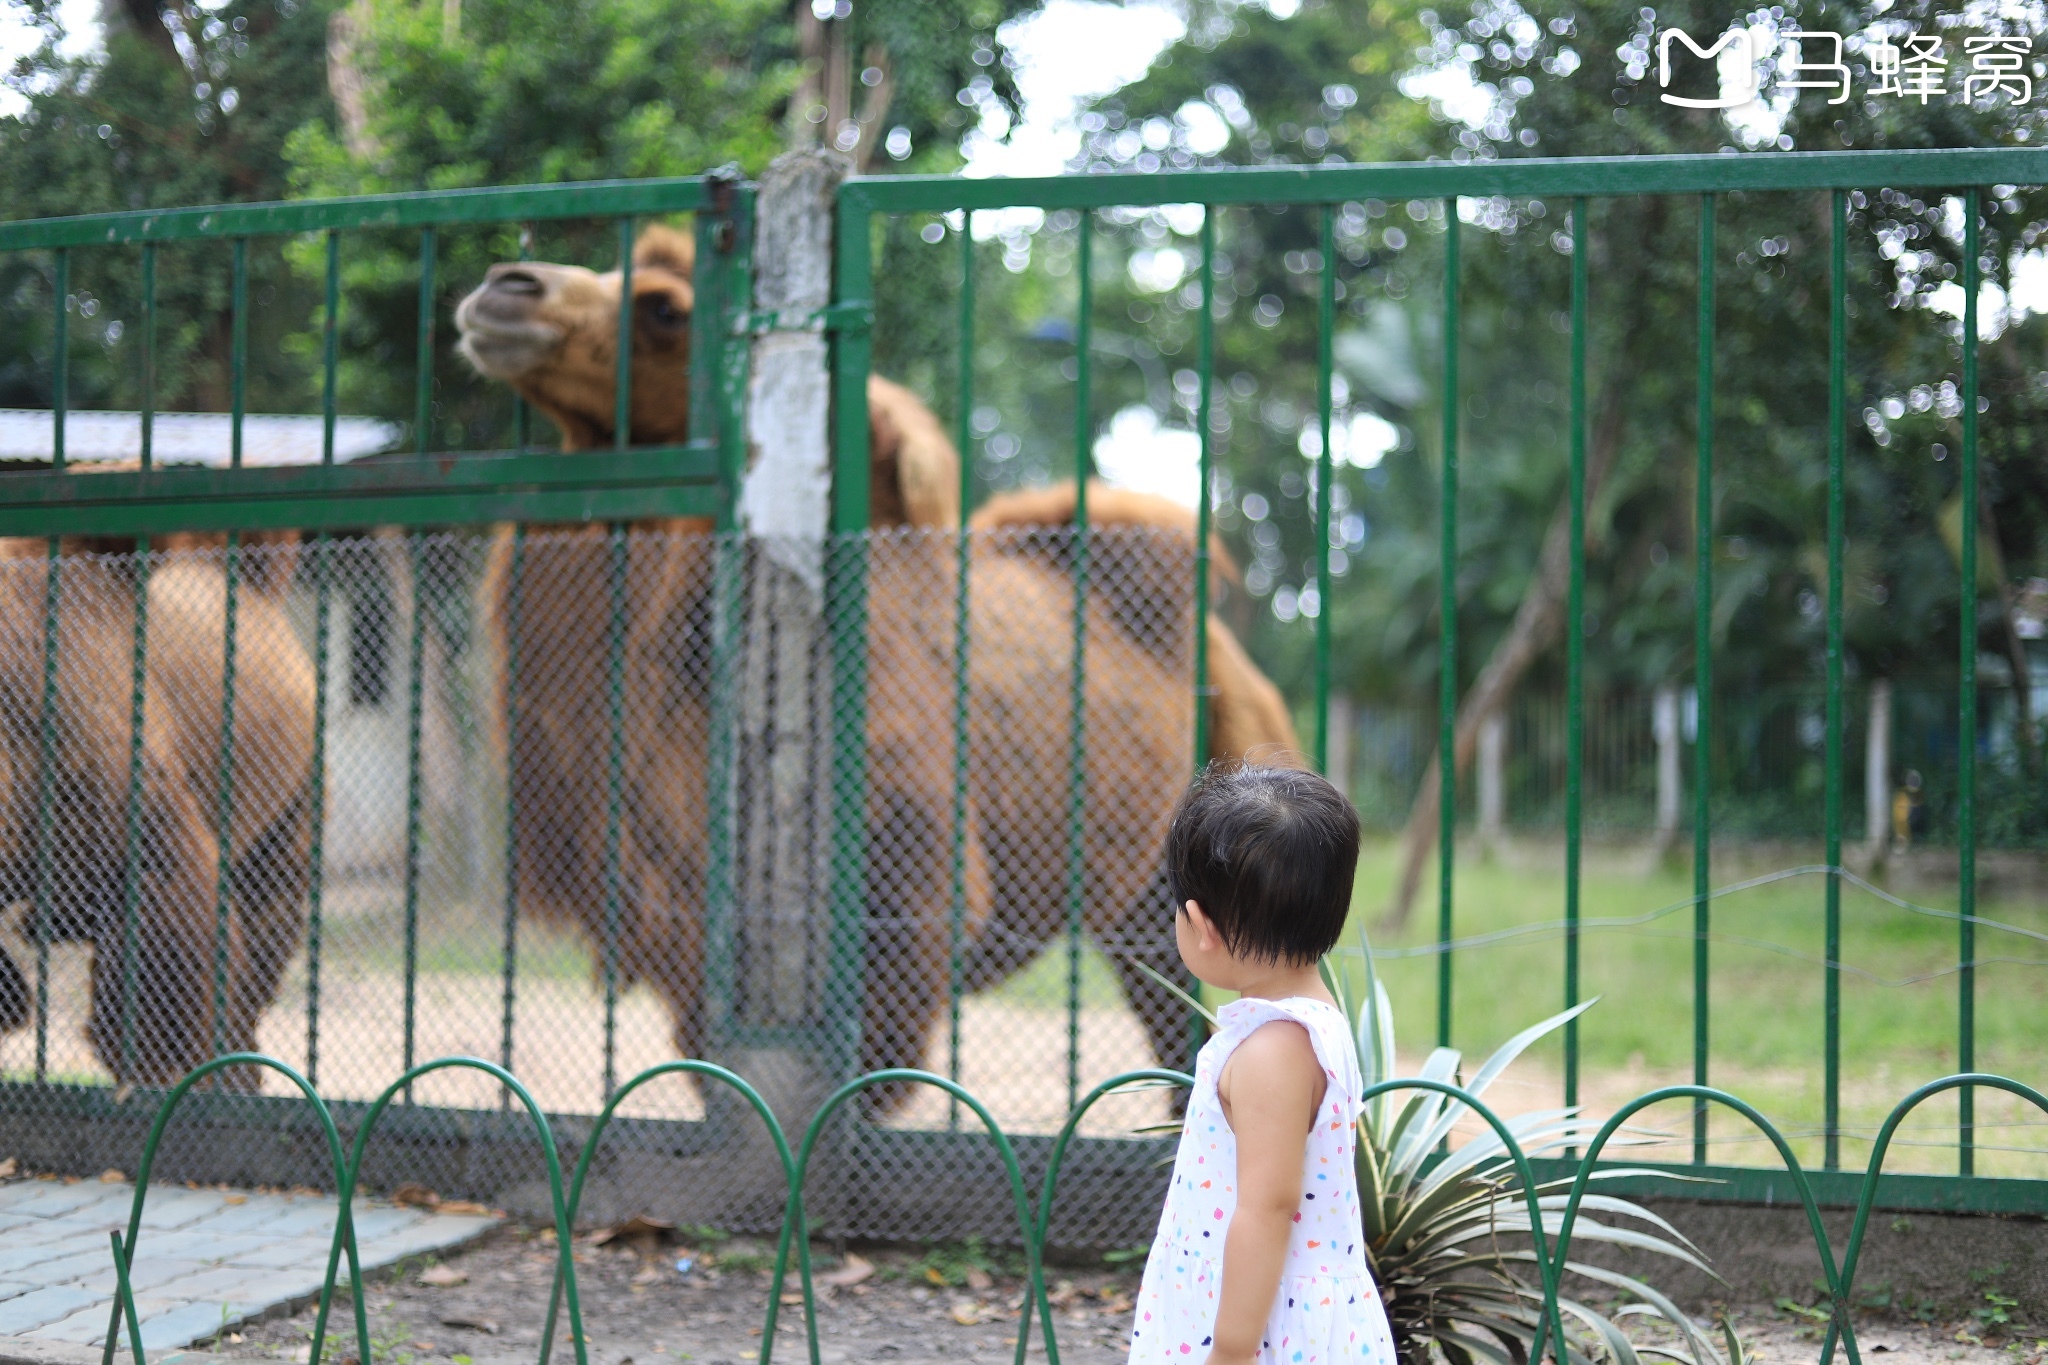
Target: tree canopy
{"x":1365,"y":80}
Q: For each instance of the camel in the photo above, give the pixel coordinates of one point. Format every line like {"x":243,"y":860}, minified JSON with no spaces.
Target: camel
{"x":548,"y":331}
{"x":154,"y":989}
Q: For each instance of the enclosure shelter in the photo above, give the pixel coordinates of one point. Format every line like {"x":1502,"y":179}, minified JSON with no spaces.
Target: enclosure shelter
{"x":573,"y":760}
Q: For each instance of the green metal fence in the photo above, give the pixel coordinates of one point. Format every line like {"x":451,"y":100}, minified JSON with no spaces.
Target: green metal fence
{"x":646,"y":680}
{"x":1703,"y":180}
{"x":89,"y":844}
{"x":1551,"y":1221}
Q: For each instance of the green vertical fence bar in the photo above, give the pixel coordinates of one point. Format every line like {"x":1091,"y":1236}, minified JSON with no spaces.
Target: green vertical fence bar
{"x":224,"y":799}
{"x":622,"y":391}
{"x":1447,"y":638}
{"x":423,"y":355}
{"x":131,"y":862}
{"x":723,"y":278}
{"x":1703,"y":672}
{"x":423,"y":418}
{"x":238,"y":356}
{"x":224,"y":810}
{"x":1326,"y":326}
{"x":323,"y":627}
{"x":508,"y":988}
{"x":1575,"y":654}
{"x":1838,"y":344}
{"x":1205,"y":691}
{"x":60,"y":355}
{"x":614,"y":797}
{"x":846,"y":615}
{"x":46,"y":769}
{"x":615,"y":673}
{"x":521,"y":414}
{"x":1205,"y":361}
{"x":415,"y":666}
{"x":131,"y":865}
{"x":148,"y":355}
{"x":962,"y":644}
{"x":1077,"y":694}
{"x":1966,"y":704}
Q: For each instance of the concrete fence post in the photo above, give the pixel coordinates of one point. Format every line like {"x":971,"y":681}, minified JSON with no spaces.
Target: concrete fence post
{"x":782,"y":810}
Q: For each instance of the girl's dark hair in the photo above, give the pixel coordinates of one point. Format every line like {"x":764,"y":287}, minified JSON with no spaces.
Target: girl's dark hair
{"x":1269,"y":854}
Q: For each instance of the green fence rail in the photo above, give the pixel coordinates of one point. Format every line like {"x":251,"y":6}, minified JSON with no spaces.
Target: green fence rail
{"x":426,"y":488}
{"x":1581,"y":182}
{"x":1550,"y":1232}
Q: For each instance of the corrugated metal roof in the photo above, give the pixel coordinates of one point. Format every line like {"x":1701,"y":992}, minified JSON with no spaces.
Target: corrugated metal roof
{"x":189,"y":437}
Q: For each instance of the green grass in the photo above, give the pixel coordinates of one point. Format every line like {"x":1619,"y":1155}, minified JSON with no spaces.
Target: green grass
{"x":1765,"y":991}
{"x":463,"y":940}
{"x":1043,"y":984}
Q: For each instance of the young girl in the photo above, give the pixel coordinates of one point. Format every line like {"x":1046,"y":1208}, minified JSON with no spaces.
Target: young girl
{"x":1259,"y":1254}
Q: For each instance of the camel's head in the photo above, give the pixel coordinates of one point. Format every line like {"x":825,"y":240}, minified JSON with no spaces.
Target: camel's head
{"x":552,"y":333}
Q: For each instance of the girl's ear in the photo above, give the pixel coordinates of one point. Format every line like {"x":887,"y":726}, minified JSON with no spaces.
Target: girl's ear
{"x":1206,"y":937}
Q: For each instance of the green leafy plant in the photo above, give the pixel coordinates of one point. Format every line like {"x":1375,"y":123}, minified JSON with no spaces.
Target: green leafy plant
{"x":1996,"y":1310}
{"x":742,"y":1259}
{"x":1447,"y":1232}
{"x":952,"y":1264}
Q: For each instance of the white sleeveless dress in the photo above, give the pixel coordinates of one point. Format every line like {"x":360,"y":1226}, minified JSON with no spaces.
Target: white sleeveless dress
{"x":1327,"y":1309}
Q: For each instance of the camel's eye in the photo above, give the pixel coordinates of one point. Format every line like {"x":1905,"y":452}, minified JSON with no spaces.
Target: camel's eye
{"x":661,"y":311}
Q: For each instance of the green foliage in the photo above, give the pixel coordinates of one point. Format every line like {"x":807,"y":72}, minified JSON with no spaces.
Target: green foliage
{"x":1996,"y":1311}
{"x":620,"y":88}
{"x":745,"y":1258}
{"x":470,"y":93}
{"x":1352,"y":80}
{"x":949,"y":1264}
{"x":142,"y":127}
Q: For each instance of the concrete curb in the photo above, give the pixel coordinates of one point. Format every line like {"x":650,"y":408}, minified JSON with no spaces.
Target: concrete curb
{"x":30,"y":1351}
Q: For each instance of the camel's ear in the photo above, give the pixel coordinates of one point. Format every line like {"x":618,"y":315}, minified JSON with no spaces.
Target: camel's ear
{"x":665,"y":248}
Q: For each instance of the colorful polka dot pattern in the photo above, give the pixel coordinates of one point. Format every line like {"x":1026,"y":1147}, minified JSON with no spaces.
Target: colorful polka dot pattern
{"x":1327,"y":1309}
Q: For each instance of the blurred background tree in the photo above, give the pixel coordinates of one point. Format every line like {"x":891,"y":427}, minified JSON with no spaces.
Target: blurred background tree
{"x":1365,"y":80}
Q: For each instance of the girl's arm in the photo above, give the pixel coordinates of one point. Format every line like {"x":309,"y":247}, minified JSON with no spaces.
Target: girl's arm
{"x":1270,"y":1089}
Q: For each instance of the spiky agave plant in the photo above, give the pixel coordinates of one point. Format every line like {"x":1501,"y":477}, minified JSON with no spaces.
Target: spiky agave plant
{"x":1447,"y":1234}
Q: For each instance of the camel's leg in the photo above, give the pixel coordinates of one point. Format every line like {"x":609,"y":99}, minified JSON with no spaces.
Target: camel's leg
{"x":909,"y":899}
{"x":170,"y":1014}
{"x":665,"y":936}
{"x":1147,"y":938}
{"x":269,"y":886}
{"x":15,"y":1001}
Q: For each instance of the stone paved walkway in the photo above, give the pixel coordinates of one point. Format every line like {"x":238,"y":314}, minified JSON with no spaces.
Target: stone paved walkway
{"x":206,"y":1259}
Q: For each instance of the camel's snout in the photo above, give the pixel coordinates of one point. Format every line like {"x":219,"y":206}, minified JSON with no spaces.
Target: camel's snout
{"x":506,"y":322}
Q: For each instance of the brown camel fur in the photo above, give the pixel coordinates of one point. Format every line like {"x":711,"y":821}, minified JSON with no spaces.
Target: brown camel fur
{"x":533,"y":324}
{"x":549,"y":330}
{"x":170,"y":1024}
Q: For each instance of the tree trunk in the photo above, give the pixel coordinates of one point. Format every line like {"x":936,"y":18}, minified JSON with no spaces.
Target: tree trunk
{"x":144,"y":18}
{"x":346,"y":83}
{"x":2015,"y":647}
{"x":1535,"y":629}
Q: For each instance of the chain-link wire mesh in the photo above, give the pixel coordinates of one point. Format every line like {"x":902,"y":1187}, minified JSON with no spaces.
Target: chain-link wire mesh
{"x":565,"y":799}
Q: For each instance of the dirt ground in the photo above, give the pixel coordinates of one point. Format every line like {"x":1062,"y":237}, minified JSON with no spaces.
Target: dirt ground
{"x":486,"y":1305}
